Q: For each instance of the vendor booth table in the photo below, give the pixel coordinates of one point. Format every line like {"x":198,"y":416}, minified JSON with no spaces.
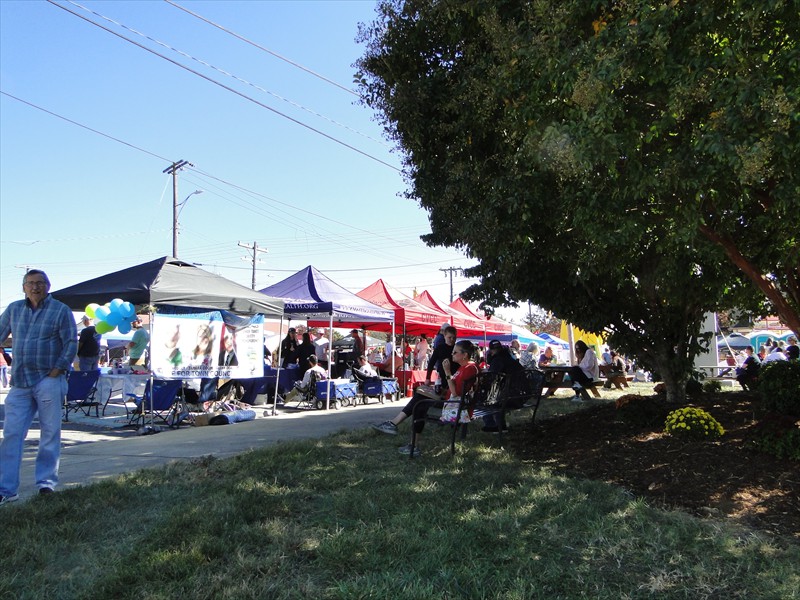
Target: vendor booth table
{"x":109,"y":385}
{"x":285,"y":378}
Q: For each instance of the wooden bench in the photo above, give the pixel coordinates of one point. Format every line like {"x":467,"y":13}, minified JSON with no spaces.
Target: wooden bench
{"x":620,"y":380}
{"x":552,"y":386}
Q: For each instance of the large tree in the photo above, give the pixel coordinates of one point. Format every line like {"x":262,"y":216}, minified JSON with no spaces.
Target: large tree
{"x":602,"y":159}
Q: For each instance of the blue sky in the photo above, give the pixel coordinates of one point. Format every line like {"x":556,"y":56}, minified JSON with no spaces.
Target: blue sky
{"x":79,"y":204}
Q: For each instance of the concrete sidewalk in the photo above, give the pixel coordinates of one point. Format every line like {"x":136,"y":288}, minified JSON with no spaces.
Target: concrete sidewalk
{"x":89,"y":456}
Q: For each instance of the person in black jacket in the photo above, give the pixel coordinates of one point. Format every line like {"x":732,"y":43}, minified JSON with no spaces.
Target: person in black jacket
{"x":441,"y":352}
{"x":501,"y":361}
{"x":304,"y":350}
{"x":289,"y":348}
{"x":747,"y":373}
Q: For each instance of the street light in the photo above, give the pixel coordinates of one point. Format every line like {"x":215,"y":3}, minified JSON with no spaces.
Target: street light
{"x":175,"y":214}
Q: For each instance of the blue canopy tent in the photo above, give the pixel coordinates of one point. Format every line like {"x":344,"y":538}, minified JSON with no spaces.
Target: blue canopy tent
{"x":310,"y":295}
{"x":526,"y":337}
{"x":554,"y":341}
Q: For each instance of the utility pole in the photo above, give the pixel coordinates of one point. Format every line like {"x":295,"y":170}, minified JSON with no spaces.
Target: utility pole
{"x":173,"y":170}
{"x":451,"y":270}
{"x":254,"y":260}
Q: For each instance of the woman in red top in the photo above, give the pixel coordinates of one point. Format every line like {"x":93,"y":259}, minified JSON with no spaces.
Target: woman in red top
{"x":463,"y":353}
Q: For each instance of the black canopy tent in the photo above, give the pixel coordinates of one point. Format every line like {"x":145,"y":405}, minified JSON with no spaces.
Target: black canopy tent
{"x":170,"y":281}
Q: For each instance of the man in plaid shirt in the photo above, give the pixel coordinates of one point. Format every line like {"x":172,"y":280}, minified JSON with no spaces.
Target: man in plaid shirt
{"x":44,"y":342}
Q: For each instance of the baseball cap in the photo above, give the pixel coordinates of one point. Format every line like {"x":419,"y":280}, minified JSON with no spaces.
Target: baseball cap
{"x":320,"y":330}
{"x":495,"y":345}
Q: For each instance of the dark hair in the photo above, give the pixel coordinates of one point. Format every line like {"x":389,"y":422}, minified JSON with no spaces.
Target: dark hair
{"x":312,"y":359}
{"x":36,"y":272}
{"x":467,"y":347}
{"x":450,"y":329}
{"x":306,"y":337}
{"x":581,"y":346}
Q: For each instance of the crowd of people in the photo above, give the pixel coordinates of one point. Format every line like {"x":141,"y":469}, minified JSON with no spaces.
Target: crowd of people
{"x":458,"y":361}
{"x":747,"y":373}
{"x":47,"y":341}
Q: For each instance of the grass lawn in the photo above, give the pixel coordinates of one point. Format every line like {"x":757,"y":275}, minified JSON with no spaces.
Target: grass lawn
{"x":348,"y":517}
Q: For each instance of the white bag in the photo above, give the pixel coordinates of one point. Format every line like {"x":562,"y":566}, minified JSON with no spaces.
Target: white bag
{"x":450,"y":411}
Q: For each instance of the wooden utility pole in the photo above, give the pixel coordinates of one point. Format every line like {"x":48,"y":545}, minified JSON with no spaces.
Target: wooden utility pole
{"x":173,"y":170}
{"x":253,"y":260}
{"x":451,"y":270}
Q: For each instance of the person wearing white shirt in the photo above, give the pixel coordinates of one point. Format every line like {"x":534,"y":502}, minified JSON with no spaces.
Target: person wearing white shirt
{"x":776,"y":354}
{"x":588,"y":369}
{"x":421,"y":352}
{"x":365,"y":369}
{"x":302,"y":386}
{"x":322,"y":348}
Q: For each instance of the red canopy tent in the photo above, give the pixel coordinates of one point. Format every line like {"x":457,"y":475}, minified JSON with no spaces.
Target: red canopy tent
{"x":494,"y":327}
{"x":464,"y":324}
{"x":410,"y":317}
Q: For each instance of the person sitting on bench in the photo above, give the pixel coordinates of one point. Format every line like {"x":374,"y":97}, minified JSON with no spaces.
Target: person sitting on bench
{"x":587,"y":371}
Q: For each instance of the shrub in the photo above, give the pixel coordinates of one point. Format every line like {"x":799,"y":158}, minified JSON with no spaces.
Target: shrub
{"x":694,"y":423}
{"x":778,"y":435}
{"x":712,"y":386}
{"x":641,"y":410}
{"x":779,"y":387}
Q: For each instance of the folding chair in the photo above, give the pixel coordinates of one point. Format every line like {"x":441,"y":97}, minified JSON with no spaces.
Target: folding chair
{"x":81,"y":390}
{"x":308,"y":396}
{"x":165,"y":405}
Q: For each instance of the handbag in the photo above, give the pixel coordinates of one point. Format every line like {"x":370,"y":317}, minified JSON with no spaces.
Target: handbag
{"x":450,"y":411}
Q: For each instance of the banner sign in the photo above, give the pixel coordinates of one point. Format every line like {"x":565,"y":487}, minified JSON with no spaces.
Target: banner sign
{"x":192,"y":345}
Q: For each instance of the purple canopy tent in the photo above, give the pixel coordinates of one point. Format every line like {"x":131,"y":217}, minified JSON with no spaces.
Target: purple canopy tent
{"x":313,"y":296}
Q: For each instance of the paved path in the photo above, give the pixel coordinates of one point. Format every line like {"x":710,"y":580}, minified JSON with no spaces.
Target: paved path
{"x":90,"y":455}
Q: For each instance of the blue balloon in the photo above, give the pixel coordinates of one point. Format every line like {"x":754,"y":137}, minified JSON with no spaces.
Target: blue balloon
{"x":114,"y":319}
{"x":114,"y":305}
{"x":101,"y":313}
{"x":124,"y":327}
{"x":127,"y":310}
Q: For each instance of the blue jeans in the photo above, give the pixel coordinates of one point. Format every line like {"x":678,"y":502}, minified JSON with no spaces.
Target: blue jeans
{"x":46,"y":397}
{"x":88,"y":363}
{"x":4,"y":376}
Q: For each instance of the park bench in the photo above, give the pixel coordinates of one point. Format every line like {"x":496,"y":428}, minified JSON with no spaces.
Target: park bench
{"x":494,"y":394}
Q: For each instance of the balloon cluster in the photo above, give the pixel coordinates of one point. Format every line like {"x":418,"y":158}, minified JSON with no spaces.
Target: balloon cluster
{"x":112,"y":315}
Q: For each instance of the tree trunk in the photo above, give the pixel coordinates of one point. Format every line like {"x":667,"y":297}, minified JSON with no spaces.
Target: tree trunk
{"x":787,"y":314}
{"x":674,"y":378}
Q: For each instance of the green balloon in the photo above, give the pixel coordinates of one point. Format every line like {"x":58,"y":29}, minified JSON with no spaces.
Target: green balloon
{"x":103,"y":327}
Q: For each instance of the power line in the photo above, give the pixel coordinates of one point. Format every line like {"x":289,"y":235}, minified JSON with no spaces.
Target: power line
{"x":228,"y":88}
{"x":267,"y":50}
{"x":105,"y":135}
{"x":227,"y":73}
{"x":352,"y":244}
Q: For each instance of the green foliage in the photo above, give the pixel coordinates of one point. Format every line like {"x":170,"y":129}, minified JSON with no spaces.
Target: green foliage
{"x":778,"y":435}
{"x":602,"y":160}
{"x":693,"y":423}
{"x":712,"y":386}
{"x":779,"y":386}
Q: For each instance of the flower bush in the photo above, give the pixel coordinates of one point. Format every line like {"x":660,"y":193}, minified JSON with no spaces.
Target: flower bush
{"x":693,"y":423}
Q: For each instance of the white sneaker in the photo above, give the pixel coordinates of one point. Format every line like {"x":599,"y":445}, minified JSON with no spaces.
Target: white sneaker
{"x":576,"y":398}
{"x":386,"y":427}
{"x":8,"y":499}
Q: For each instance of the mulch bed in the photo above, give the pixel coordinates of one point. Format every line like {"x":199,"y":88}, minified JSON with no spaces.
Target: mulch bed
{"x":718,"y":479}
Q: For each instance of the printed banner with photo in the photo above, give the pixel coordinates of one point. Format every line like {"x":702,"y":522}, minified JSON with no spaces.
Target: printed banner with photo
{"x":201,"y":345}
